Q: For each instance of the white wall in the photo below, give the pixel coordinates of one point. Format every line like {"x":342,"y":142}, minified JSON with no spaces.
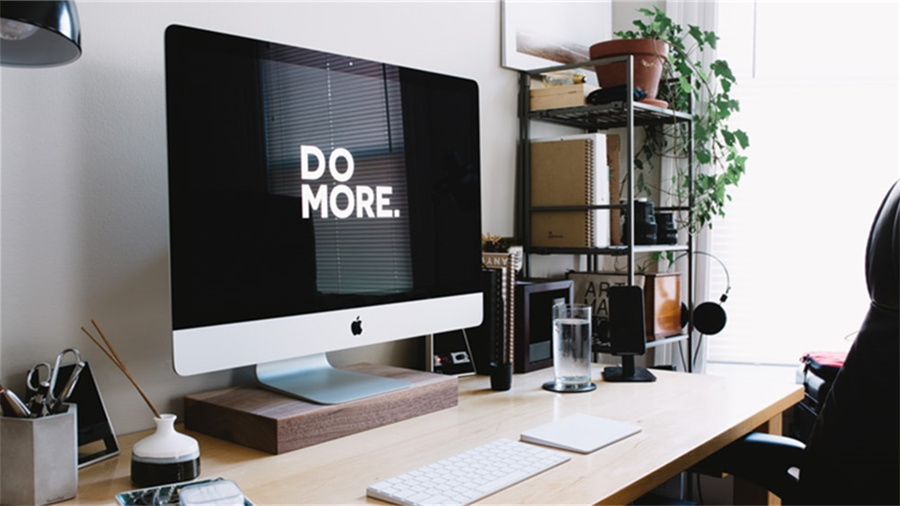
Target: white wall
{"x":84,"y":220}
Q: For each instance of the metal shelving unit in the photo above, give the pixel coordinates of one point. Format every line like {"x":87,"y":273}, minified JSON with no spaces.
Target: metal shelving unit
{"x":626,"y":114}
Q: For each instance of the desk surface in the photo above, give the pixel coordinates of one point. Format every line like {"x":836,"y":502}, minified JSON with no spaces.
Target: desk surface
{"x":684,"y":418}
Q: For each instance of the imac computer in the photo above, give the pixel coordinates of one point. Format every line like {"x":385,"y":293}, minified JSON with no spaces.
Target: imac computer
{"x":317,"y":202}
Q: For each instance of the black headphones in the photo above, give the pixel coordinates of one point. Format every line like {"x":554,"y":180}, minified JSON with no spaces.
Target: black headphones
{"x":709,"y":317}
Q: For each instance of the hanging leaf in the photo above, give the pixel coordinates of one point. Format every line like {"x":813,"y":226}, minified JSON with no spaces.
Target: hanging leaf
{"x":703,"y":155}
{"x":697,"y":34}
{"x":742,"y":138}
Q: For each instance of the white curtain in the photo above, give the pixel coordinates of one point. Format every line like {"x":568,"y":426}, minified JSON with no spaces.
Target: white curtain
{"x":818,"y":166}
{"x":703,"y":14}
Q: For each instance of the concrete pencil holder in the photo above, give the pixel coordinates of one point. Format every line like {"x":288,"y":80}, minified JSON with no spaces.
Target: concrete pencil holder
{"x":39,"y":458}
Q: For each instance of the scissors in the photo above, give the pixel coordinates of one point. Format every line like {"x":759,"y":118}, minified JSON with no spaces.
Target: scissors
{"x":57,"y":400}
{"x":39,"y":377}
{"x":42,"y":378}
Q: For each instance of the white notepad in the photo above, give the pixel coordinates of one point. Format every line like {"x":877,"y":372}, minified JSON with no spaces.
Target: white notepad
{"x":580,"y":432}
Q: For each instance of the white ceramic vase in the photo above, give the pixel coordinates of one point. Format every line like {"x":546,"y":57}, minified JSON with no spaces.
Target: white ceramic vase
{"x":166,"y":456}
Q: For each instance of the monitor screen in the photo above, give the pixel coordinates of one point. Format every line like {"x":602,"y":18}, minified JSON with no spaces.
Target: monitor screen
{"x":317,"y":202}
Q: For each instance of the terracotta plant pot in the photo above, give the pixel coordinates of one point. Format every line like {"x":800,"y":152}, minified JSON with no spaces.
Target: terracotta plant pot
{"x":649,"y":56}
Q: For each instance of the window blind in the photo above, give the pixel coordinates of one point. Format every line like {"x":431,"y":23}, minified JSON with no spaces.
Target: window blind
{"x":336,"y":102}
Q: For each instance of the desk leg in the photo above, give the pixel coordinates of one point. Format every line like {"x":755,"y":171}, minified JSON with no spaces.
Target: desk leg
{"x":746,"y":492}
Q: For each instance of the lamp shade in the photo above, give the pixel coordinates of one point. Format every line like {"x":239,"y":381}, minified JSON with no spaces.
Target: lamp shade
{"x":39,"y":34}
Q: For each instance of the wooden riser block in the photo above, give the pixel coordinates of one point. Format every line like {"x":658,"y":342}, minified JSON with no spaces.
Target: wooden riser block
{"x":275,"y":423}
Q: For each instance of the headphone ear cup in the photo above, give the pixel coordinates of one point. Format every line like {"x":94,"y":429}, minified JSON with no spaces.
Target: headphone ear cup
{"x":709,"y":318}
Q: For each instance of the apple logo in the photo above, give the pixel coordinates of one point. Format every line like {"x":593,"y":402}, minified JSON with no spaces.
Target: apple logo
{"x":356,"y":326}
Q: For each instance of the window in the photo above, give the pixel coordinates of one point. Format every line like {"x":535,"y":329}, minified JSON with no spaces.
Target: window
{"x":818,"y":87}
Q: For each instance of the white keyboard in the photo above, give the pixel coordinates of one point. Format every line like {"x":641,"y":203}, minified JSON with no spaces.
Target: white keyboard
{"x":469,"y":476}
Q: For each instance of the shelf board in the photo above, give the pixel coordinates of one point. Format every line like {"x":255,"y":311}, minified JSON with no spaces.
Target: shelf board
{"x":606,"y":116}
{"x":653,"y":248}
{"x":666,"y":340}
{"x":608,"y":250}
{"x":604,"y":348}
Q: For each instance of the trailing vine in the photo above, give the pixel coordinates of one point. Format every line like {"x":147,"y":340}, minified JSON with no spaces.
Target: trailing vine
{"x":687,"y":81}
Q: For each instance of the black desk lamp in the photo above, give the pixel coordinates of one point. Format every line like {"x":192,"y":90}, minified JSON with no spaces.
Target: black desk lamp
{"x":39,"y":34}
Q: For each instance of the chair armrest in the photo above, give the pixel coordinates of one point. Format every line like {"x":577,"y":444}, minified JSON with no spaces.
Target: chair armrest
{"x":767,"y":460}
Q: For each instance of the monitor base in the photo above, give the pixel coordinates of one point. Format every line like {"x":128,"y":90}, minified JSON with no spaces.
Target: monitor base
{"x":314,"y":379}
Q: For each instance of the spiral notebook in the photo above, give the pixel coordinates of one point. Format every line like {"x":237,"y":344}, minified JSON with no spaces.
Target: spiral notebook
{"x":580,"y":433}
{"x":570,"y":171}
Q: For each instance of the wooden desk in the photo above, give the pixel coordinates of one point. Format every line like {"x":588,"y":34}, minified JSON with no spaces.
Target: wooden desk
{"x":684,"y":418}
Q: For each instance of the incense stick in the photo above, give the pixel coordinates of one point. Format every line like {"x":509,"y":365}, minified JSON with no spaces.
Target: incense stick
{"x":111,"y":353}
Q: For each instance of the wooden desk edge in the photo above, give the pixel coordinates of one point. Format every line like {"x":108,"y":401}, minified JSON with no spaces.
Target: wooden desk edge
{"x":768,"y":420}
{"x":100,"y":482}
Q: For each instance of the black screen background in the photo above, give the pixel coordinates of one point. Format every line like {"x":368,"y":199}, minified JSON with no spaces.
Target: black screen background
{"x":240,"y":251}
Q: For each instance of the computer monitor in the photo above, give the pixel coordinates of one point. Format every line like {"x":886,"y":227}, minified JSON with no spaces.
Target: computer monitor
{"x":317,"y":202}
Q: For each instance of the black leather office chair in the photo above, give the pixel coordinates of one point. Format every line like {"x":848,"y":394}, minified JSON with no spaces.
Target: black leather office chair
{"x":853,"y":454}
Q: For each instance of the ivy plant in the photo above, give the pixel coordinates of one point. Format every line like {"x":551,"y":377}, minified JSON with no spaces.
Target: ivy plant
{"x":687,"y":81}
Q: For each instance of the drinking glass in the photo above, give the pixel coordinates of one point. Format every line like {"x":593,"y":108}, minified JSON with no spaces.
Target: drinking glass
{"x":571,"y":349}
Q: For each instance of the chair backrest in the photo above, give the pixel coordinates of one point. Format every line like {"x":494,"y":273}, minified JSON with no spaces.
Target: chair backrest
{"x":853,"y":455}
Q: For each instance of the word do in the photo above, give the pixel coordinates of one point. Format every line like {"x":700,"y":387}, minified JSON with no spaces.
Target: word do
{"x":342,"y":201}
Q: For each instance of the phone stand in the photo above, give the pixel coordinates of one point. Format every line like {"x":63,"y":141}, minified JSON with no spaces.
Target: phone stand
{"x":628,"y":372}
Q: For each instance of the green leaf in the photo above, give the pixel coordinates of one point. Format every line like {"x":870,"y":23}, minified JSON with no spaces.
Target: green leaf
{"x":700,"y":132}
{"x":728,"y":136}
{"x":664,"y":24}
{"x":722,"y":70}
{"x":742,"y":138}
{"x":726,"y":86}
{"x":685,"y":84}
{"x":703,"y":155}
{"x":697,"y":34}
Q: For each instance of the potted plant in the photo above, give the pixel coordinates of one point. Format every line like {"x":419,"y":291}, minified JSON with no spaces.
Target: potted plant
{"x":686,"y":81}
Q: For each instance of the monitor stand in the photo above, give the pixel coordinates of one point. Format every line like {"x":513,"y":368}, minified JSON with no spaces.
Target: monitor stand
{"x":261,"y":418}
{"x":314,"y":379}
{"x":628,"y":372}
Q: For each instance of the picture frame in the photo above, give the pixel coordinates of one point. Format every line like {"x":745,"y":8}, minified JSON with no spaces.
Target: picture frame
{"x":534,"y":321}
{"x":96,"y":437}
{"x":536,"y":34}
